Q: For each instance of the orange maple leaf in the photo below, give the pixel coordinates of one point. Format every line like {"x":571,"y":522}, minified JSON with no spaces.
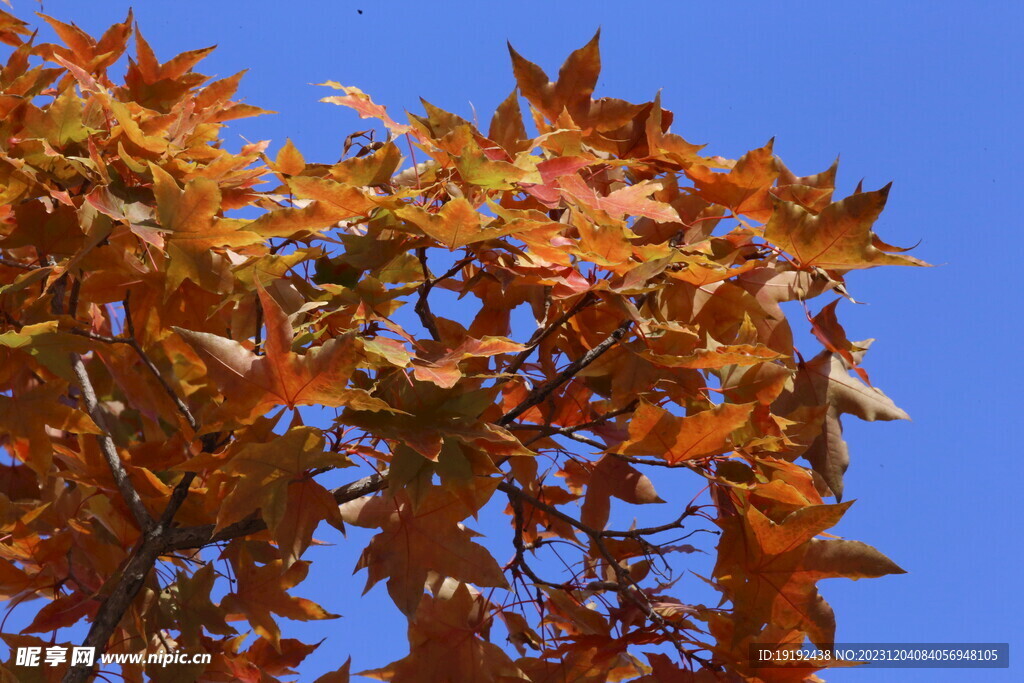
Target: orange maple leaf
{"x":281,"y":376}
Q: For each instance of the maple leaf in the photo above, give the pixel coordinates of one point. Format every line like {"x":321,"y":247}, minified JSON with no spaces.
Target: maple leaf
{"x":289,"y":159}
{"x":662,"y":143}
{"x":333,"y":202}
{"x":825,"y":381}
{"x":627,"y":201}
{"x":356,"y":99}
{"x":194,"y":609}
{"x":282,"y":377}
{"x":457,"y":224}
{"x":744,"y":189}
{"x":29,"y":414}
{"x":262,"y":592}
{"x":447,"y":644}
{"x":45,"y":343}
{"x":189,"y":216}
{"x":813,"y":192}
{"x":279,"y":661}
{"x":576,"y":80}
{"x":826,"y":327}
{"x":126,"y":288}
{"x":609,"y":476}
{"x":415,"y":540}
{"x":771,"y":569}
{"x":444,"y":370}
{"x":839,"y":236}
{"x":717,"y":356}
{"x":65,"y":611}
{"x":275,"y":478}
{"x":339,"y":675}
{"x":507,"y":127}
{"x":655,"y":431}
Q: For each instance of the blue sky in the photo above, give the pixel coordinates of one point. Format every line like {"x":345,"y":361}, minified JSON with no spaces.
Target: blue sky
{"x":927,"y":95}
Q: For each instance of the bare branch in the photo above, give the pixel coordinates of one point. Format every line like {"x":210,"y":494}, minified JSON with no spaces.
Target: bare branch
{"x":519,"y":562}
{"x":548,"y":430}
{"x":107,"y":447}
{"x":258,"y":337}
{"x":162,"y":539}
{"x":653,"y":462}
{"x":571,"y":432}
{"x":125,"y":587}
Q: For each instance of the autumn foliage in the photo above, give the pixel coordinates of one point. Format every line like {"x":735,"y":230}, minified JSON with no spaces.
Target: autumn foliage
{"x":538,"y":320}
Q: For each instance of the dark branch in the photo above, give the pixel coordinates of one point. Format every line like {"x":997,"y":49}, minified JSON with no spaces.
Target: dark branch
{"x":201,"y":536}
{"x":106,"y":443}
{"x":626,"y":586}
{"x":548,"y":430}
{"x":543,"y":333}
{"x":571,"y":432}
{"x":150,"y":365}
{"x":519,"y":562}
{"x":422,"y":307}
{"x":124,"y":484}
{"x":539,"y":394}
{"x":18,"y":264}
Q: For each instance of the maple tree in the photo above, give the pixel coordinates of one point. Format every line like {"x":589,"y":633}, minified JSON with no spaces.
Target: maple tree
{"x":156,"y":347}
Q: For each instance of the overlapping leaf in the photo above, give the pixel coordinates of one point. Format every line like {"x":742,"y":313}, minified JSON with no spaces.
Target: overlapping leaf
{"x":281,"y":376}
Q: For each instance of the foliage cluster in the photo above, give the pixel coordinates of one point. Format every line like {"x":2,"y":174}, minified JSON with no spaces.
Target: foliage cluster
{"x":156,"y":345}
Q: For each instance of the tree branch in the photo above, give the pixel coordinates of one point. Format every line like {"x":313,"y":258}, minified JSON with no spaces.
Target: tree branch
{"x":153,"y":545}
{"x":543,"y":333}
{"x":626,"y":586}
{"x":150,"y":365}
{"x":548,"y":430}
{"x":542,"y":392}
{"x":422,"y":307}
{"x":18,"y":264}
{"x":519,"y":562}
{"x":162,"y":539}
{"x":120,"y":598}
{"x":200,"y":536}
{"x":570,"y":432}
{"x":652,"y":462}
{"x":106,"y":443}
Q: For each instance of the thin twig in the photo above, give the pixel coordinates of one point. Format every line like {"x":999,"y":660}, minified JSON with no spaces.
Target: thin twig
{"x":517,"y":541}
{"x":18,"y":264}
{"x":626,"y":585}
{"x":76,"y":289}
{"x":570,"y":432}
{"x":258,"y":337}
{"x":652,"y":462}
{"x":548,"y":430}
{"x":150,"y":365}
{"x":114,"y":605}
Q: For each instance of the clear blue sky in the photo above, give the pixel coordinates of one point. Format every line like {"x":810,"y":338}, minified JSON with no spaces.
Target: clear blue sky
{"x":928,"y":95}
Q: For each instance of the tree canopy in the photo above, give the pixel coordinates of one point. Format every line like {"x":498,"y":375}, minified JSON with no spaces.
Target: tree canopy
{"x":548,"y":315}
